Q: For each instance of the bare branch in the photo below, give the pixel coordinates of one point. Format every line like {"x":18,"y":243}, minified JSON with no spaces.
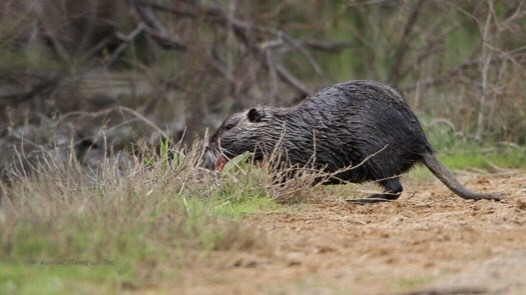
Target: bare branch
{"x":244,"y":33}
{"x":126,"y":40}
{"x":487,"y":60}
{"x":333,"y":47}
{"x":155,"y":28}
{"x":394,"y":76}
{"x":292,"y":81}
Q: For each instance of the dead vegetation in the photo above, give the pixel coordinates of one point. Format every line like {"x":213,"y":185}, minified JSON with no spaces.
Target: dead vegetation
{"x":145,"y":211}
{"x":185,"y":64}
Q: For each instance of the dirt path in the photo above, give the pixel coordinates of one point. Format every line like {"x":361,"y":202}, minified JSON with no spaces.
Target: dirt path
{"x":429,"y":241}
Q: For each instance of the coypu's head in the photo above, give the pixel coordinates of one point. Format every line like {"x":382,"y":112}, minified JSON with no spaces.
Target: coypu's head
{"x":248,"y":131}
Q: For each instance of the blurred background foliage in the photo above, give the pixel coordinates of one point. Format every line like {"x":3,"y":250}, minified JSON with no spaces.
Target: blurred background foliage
{"x":184,"y":65}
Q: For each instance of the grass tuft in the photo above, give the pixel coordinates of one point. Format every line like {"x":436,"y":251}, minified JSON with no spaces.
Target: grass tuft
{"x":99,"y":231}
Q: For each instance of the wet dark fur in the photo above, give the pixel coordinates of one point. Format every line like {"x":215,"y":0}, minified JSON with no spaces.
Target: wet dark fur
{"x":340,"y":126}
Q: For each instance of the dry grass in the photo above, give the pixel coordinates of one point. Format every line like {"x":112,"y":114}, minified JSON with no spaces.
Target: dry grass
{"x":154,"y":210}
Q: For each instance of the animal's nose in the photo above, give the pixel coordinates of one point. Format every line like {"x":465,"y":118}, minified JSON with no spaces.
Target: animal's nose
{"x":220,"y":163}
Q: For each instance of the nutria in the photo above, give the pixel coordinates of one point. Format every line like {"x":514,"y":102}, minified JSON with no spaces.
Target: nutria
{"x":364,"y":124}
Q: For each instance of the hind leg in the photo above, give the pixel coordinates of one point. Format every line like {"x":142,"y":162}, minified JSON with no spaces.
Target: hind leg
{"x":392,"y":190}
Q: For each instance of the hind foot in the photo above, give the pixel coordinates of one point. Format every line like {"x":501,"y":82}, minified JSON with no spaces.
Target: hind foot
{"x":376,"y":198}
{"x":392,"y":191}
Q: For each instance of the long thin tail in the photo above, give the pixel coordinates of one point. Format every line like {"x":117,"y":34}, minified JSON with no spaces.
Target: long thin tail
{"x":452,"y":183}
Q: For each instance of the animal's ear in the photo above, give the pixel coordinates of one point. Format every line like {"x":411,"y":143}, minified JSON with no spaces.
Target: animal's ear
{"x":254,"y":115}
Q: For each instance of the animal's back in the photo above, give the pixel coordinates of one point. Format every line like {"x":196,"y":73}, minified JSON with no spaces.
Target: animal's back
{"x":359,"y":119}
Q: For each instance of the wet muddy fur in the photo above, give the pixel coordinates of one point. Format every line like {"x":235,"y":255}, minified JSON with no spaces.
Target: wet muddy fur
{"x":360,"y":124}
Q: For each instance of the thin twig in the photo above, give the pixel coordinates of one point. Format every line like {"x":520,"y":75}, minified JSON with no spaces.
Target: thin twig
{"x":487,"y":57}
{"x":126,"y":40}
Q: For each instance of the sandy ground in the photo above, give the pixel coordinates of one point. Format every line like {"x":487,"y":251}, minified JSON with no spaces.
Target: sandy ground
{"x":428,"y":242}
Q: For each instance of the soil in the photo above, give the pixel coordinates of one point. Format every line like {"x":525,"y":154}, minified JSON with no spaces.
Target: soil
{"x":428,"y":242}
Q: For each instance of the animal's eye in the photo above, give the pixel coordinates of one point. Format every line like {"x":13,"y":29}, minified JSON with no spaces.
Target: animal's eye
{"x":229,"y":126}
